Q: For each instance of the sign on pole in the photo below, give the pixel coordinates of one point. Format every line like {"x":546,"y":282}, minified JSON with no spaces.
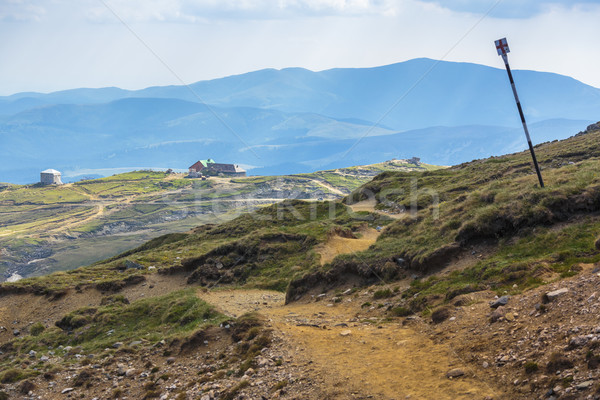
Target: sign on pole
{"x":503,"y":50}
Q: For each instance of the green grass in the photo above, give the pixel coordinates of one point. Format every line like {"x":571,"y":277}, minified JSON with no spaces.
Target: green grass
{"x":488,"y":199}
{"x":534,"y":234}
{"x":40,"y":195}
{"x":149,"y":320}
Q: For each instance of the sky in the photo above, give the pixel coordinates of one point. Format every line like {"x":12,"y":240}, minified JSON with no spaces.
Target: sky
{"x":50,"y":45}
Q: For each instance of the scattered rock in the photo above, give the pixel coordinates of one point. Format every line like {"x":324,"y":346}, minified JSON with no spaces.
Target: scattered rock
{"x":455,"y":373}
{"x":170,"y":360}
{"x":578,"y":341}
{"x":16,"y":332}
{"x":502,"y":301}
{"x":67,"y":390}
{"x":497,"y":314}
{"x":345,"y":332}
{"x":116,"y":345}
{"x":551,"y":296}
{"x":584,"y":385}
{"x":133,"y":265}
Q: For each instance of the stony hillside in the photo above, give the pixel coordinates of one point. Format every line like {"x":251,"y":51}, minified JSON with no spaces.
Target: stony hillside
{"x":469,"y":282}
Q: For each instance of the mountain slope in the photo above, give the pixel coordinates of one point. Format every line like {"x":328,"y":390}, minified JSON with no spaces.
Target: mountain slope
{"x":416,"y":312}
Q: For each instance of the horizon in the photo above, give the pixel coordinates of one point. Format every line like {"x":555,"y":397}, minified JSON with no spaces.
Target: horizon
{"x":286,"y":68}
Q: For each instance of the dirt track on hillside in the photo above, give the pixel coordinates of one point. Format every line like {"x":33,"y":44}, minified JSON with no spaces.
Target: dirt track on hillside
{"x":355,"y":359}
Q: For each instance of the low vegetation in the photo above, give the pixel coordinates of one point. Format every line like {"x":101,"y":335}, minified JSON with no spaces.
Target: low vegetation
{"x":89,"y":217}
{"x":529,"y":234}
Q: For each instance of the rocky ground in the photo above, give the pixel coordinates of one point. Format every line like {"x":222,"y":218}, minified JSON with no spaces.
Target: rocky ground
{"x":542,"y":344}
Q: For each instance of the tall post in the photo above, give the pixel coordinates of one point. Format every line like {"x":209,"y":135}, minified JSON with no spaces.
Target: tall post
{"x":503,"y":50}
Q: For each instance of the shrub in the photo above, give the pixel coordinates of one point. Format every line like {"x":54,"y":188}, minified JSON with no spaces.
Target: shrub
{"x":440,"y":314}
{"x":400,"y":312}
{"x":531,"y":367}
{"x":37,"y":328}
{"x":558,"y":362}
{"x":383,"y":294}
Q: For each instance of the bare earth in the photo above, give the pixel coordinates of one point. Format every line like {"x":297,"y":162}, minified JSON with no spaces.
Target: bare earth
{"x":354,"y":359}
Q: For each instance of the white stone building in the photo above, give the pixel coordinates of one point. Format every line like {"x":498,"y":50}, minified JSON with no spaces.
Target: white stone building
{"x":50,"y":177}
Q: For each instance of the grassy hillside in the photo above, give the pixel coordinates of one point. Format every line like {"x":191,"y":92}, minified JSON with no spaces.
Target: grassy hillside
{"x":435,"y":235}
{"x":48,"y":228}
{"x":519,"y":234}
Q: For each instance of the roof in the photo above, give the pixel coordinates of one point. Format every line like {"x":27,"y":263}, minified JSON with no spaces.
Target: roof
{"x":51,"y":171}
{"x":203,"y":163}
{"x":222,"y":167}
{"x":207,"y":161}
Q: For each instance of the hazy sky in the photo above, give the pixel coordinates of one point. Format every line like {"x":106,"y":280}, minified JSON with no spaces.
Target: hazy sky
{"x":48,"y":45}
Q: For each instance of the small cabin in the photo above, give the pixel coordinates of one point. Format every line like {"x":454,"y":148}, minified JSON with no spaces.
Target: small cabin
{"x":50,"y":177}
{"x":195,"y":170}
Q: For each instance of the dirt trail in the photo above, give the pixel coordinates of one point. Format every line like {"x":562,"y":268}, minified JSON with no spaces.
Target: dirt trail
{"x":355,"y":359}
{"x":369,"y":205}
{"x":328,"y":187}
{"x":337,"y":245}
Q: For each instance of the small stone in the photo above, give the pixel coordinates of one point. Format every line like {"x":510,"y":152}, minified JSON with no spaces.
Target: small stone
{"x":135,"y":343}
{"x":16,"y":332}
{"x":130,"y":372}
{"x":485,"y":364}
{"x":67,"y":390}
{"x":509,"y":317}
{"x":551,"y":296}
{"x":584,"y":385}
{"x":502,"y":301}
{"x":455,"y":373}
{"x":578,"y":341}
{"x":170,"y":360}
{"x":497,"y":314}
{"x":116,"y":345}
{"x":261,"y":361}
{"x":346,"y":332}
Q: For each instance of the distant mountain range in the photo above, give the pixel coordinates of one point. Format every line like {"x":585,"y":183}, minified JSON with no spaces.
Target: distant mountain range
{"x":291,"y":120}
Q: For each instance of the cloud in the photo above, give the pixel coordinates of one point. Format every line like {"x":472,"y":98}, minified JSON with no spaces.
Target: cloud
{"x":208,"y":10}
{"x":22,"y":10}
{"x":513,"y":8}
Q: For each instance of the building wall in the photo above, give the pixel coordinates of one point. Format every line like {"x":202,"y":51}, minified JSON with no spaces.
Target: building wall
{"x":50,"y":179}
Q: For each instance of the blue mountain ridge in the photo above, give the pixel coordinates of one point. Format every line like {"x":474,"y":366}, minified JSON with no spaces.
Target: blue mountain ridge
{"x":292,"y":120}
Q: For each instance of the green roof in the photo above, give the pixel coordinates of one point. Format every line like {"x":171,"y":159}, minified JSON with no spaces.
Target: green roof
{"x":206,"y":162}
